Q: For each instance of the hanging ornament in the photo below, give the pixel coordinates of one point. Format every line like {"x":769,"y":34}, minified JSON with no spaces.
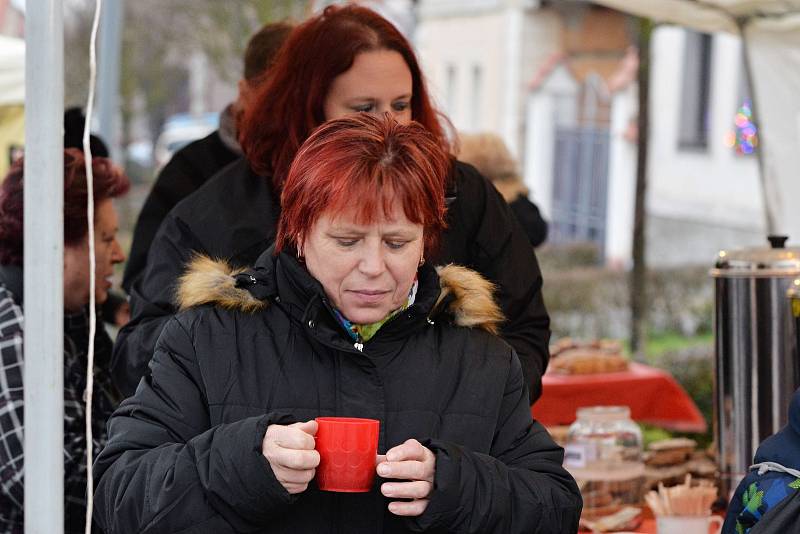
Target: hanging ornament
{"x":744,"y":136}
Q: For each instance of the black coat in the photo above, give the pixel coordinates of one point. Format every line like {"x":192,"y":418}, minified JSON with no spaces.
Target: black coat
{"x":184,"y":453}
{"x":531,"y":220}
{"x":234,"y":216}
{"x":185,"y":173}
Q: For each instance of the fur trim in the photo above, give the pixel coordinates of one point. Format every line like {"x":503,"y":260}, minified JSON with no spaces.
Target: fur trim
{"x":209,"y":281}
{"x":473,"y":304}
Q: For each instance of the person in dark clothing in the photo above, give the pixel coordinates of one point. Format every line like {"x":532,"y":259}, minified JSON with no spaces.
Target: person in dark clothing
{"x":198,"y":161}
{"x":490,"y":155}
{"x":109,"y":182}
{"x":768,"y":499}
{"x":343,"y":316}
{"x":233,"y":215}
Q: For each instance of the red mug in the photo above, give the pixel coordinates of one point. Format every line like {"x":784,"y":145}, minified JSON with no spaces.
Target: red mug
{"x":347,"y":448}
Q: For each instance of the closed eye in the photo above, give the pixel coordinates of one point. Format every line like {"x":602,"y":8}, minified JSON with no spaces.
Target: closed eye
{"x":396,"y":245}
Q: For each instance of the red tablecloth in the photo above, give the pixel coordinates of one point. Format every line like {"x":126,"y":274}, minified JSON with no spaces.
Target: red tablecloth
{"x":653,"y":396}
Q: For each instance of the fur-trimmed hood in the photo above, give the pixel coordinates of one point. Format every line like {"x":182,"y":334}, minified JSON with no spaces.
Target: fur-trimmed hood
{"x":464,"y":294}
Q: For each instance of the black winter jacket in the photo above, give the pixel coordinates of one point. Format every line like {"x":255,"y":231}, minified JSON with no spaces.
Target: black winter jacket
{"x":234,"y":217}
{"x":185,"y":173}
{"x":184,"y":453}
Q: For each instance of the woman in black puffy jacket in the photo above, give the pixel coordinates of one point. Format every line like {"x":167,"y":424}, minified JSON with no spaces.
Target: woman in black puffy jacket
{"x":342,"y":317}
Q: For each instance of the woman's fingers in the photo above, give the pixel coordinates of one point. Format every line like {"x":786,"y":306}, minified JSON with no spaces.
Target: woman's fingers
{"x":410,"y":509}
{"x":412,"y":462}
{"x":418,"y":489}
{"x":409,"y":461}
{"x":291,"y":455}
{"x":411,"y":449}
{"x":294,"y":436}
{"x":294,"y":459}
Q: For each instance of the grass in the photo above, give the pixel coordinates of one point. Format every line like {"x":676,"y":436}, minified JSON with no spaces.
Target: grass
{"x":695,"y":375}
{"x":660,"y":344}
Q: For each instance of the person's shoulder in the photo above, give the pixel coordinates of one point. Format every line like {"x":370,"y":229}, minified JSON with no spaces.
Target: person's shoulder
{"x":468,"y":308}
{"x":11,"y":317}
{"x":200,"y":150}
{"x":467,"y":174}
{"x":468,"y":188}
{"x":233,"y":185}
{"x":215,"y":284}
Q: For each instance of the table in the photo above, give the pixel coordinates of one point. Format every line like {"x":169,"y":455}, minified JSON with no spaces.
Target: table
{"x":652,"y":394}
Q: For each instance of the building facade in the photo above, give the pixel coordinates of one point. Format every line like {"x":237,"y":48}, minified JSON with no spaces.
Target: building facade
{"x":557,"y":80}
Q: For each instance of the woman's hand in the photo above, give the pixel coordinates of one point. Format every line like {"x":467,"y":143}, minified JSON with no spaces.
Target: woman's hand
{"x":290,"y":452}
{"x":413,"y":462}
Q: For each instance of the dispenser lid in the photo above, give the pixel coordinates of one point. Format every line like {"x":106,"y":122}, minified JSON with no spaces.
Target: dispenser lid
{"x":774,"y":260}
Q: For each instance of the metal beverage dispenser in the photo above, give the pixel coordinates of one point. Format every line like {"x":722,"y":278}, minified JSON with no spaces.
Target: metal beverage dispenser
{"x":756,"y":367}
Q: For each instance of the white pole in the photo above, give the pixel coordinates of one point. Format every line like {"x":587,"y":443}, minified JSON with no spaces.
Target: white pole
{"x":109,"y":61}
{"x":43,"y":267}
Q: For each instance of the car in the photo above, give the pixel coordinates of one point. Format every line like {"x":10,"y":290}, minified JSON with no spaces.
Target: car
{"x":181,"y":129}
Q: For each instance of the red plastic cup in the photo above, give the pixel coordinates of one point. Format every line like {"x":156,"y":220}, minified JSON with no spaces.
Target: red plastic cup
{"x":347,"y":449}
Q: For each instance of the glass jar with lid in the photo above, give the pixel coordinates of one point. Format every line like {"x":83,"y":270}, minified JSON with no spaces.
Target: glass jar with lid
{"x":604,"y":454}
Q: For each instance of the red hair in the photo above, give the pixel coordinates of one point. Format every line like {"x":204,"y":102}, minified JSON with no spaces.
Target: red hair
{"x":369,"y":163}
{"x":109,"y":182}
{"x":289,"y":106}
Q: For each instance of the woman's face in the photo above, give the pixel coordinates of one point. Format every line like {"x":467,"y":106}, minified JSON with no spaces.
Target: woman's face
{"x":378,"y":82}
{"x":107,"y":254}
{"x":366,"y":270}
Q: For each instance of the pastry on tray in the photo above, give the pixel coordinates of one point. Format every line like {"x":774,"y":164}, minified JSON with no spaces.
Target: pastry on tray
{"x":586,"y":361}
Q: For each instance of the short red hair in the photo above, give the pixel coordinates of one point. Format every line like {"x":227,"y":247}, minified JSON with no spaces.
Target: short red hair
{"x":367,"y":162}
{"x":109,"y":182}
{"x":289,"y":106}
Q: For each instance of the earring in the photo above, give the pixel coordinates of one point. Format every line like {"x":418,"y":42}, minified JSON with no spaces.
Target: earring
{"x":422,"y":261}
{"x":300,"y":258}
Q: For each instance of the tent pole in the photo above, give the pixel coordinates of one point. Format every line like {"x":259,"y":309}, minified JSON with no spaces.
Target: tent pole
{"x":43,"y":267}
{"x":748,"y":72}
{"x":108,"y":76}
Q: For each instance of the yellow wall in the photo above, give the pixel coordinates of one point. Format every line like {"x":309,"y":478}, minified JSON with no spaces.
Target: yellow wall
{"x":12,"y":134}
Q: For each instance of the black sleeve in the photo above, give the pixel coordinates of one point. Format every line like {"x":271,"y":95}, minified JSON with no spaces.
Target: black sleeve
{"x":111,"y":305}
{"x":152,"y":302}
{"x":166,"y":469}
{"x":528,"y":215}
{"x":500,"y":250}
{"x":177,"y":180}
{"x":519,"y":487}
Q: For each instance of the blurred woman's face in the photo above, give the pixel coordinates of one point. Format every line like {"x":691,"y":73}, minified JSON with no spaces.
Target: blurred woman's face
{"x":378,"y":82}
{"x":366,"y":270}
{"x":107,"y":254}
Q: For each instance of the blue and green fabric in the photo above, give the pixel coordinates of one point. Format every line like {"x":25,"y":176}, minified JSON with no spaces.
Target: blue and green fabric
{"x":762,"y":496}
{"x":767,"y":499}
{"x":361,"y":333}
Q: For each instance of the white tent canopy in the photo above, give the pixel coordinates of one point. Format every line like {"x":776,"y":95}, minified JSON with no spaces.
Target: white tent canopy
{"x":770,"y":31}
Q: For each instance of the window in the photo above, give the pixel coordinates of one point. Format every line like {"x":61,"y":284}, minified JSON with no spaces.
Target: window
{"x":451,"y":81}
{"x":693,"y":123}
{"x":477,"y":97}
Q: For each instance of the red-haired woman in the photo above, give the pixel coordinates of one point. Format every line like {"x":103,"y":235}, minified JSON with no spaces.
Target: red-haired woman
{"x":346,"y":60}
{"x":109,"y":182}
{"x":344,"y":317}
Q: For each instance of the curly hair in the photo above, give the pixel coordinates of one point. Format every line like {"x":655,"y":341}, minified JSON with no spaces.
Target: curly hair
{"x":109,"y":182}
